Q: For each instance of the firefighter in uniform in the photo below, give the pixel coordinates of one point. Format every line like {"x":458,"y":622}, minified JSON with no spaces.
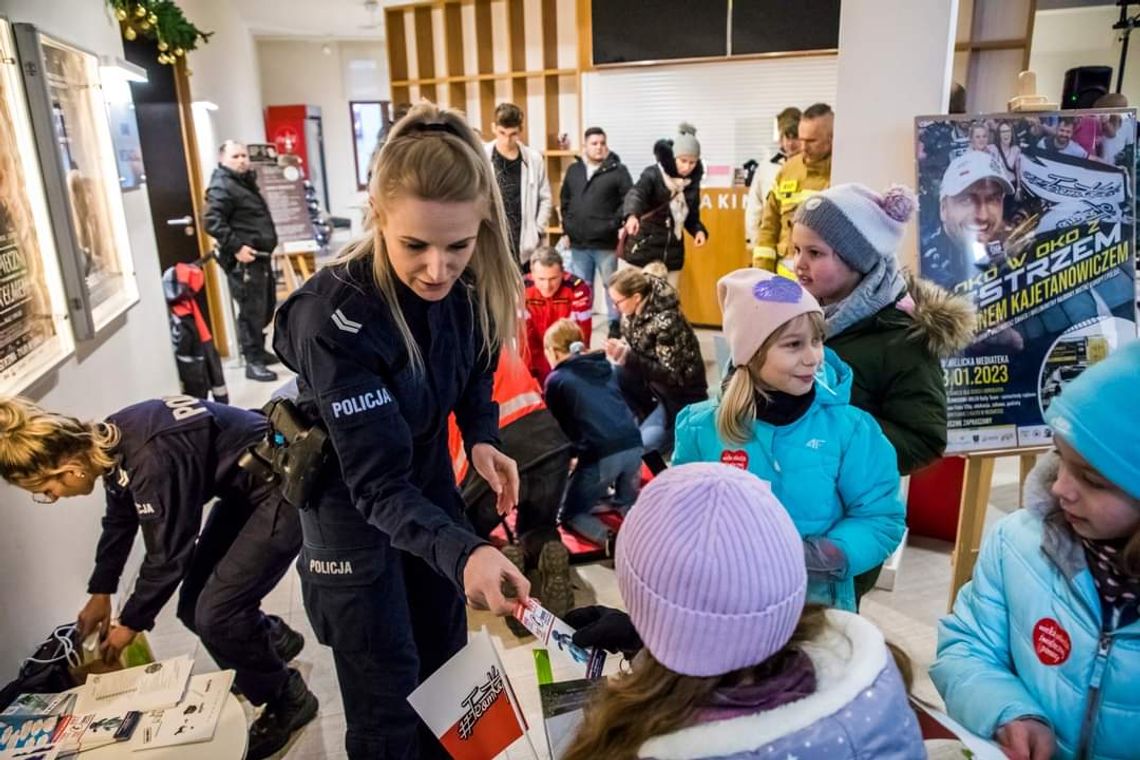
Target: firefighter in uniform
{"x":162,"y":461}
{"x":387,"y":342}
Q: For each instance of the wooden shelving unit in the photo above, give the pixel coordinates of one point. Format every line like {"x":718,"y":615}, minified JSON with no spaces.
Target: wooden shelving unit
{"x":478,"y":90}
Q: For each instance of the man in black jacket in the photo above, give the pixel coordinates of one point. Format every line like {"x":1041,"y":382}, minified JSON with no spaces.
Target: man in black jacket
{"x":592,"y":194}
{"x":238,"y":219}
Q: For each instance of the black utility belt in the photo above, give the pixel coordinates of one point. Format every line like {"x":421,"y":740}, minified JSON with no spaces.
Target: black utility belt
{"x":292,"y":454}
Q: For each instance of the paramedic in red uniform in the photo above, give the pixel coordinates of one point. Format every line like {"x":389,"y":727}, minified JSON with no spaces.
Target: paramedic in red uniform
{"x":553,"y":294}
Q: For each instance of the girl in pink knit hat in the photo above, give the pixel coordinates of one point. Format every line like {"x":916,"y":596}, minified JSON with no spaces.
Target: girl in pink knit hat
{"x":785,"y":415}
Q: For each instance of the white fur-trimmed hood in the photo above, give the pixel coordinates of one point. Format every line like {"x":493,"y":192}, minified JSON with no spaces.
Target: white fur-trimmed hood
{"x":847,"y":659}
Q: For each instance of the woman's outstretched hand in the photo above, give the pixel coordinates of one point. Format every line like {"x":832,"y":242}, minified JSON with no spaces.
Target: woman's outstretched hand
{"x":501,"y":473}
{"x":489,"y":579}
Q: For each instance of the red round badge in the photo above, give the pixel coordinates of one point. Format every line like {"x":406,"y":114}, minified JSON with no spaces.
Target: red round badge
{"x":1051,"y":642}
{"x":735,"y":459}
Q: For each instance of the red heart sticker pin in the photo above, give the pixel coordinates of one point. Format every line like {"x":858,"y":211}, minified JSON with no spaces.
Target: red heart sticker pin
{"x":735,"y":459}
{"x":1051,"y":642}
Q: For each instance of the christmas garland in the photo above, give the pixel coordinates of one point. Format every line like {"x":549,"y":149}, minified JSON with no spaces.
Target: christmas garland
{"x":160,"y":20}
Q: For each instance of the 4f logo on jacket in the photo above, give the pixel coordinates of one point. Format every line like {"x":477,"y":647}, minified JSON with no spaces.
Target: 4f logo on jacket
{"x":361,"y":403}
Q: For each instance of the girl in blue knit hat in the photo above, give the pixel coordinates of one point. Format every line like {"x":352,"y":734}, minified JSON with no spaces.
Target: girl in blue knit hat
{"x":732,"y":664}
{"x":1042,"y":650}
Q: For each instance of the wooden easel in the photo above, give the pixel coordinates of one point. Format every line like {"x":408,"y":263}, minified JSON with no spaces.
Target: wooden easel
{"x":976,"y":484}
{"x":296,"y":267}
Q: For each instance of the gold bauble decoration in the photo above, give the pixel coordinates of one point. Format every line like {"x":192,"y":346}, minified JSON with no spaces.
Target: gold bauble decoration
{"x":152,"y":18}
{"x":121,"y":14}
{"x":130,"y":33}
{"x":140,"y":12}
{"x":163,"y":46}
{"x":144,"y":25}
{"x":179,"y":52}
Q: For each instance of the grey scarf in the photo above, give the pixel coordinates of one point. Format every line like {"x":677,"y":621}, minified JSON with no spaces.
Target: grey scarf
{"x":878,"y":289}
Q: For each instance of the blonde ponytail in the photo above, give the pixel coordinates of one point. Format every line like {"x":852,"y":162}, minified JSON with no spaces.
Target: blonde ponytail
{"x":36,"y":445}
{"x":737,"y":410}
{"x":433,"y":154}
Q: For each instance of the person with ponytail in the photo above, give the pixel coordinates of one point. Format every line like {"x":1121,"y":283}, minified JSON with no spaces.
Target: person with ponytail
{"x":162,"y":461}
{"x":733,"y":664}
{"x":892,"y":329}
{"x":664,"y":203}
{"x":582,"y":394}
{"x":660,"y":367}
{"x":785,"y":415}
{"x":402,"y":330}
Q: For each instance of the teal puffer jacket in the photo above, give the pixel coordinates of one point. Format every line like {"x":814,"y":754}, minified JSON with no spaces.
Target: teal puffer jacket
{"x":832,"y":469}
{"x":1026,"y":639}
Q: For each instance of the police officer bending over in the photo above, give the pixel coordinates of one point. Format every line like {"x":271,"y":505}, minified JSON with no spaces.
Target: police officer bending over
{"x":387,"y":342}
{"x":161,"y":462}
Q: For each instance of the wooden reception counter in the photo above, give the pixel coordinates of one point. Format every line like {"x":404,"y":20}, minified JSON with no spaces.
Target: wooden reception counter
{"x":722,"y":212}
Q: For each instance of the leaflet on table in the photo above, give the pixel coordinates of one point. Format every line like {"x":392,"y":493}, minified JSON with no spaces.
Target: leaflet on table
{"x":555,"y":634}
{"x":27,"y":732}
{"x":193,"y":719}
{"x":147,"y":687}
{"x":41,"y":704}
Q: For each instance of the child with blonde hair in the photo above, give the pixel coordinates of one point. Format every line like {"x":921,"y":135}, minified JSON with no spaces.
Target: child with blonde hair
{"x":582,"y":394}
{"x":785,"y":416}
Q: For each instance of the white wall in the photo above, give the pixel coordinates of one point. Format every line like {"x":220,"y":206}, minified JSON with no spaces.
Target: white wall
{"x":1064,"y":39}
{"x":46,"y":553}
{"x":875,"y":109}
{"x":225,"y":72}
{"x":732,"y":104}
{"x":297,"y":72}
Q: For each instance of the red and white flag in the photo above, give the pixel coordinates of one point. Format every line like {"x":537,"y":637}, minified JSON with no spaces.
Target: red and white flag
{"x":469,"y":705}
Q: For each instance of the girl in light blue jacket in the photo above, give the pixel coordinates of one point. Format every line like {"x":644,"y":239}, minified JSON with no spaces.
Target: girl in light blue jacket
{"x":785,"y":416}
{"x":1042,"y":651}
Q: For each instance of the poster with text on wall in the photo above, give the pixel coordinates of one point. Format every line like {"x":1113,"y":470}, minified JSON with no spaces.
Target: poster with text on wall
{"x":1031,"y":217}
{"x":34,"y":334}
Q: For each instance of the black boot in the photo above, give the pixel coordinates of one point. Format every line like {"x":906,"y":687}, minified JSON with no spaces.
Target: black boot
{"x":294,"y":707}
{"x":258,"y":372}
{"x":268,"y":358}
{"x":286,"y":642}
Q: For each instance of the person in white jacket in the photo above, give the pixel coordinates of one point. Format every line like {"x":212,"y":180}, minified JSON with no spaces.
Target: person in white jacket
{"x":521,"y":173}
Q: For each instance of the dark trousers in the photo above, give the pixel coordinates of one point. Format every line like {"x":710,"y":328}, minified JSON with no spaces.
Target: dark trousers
{"x":255,"y":291}
{"x":540,"y":494}
{"x":243,"y":552}
{"x":391,"y":621}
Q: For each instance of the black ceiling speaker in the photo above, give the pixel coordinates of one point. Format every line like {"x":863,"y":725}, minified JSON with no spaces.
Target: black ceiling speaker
{"x":1084,"y":85}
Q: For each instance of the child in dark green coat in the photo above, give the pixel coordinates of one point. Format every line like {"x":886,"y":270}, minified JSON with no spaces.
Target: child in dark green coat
{"x":892,"y":330}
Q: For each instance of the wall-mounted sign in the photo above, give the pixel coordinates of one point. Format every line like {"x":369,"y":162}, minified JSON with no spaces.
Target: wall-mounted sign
{"x":34,"y":334}
{"x":81,"y":177}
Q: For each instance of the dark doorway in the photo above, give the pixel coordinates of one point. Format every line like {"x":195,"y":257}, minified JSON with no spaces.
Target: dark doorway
{"x":164,"y":159}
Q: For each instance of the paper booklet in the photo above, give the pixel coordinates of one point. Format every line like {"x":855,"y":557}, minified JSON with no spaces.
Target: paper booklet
{"x":936,"y":724}
{"x":192,"y":720}
{"x":555,"y":634}
{"x":147,"y":687}
{"x":41,"y":704}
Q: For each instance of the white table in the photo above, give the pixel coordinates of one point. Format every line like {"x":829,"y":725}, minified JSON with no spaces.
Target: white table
{"x":231,"y":739}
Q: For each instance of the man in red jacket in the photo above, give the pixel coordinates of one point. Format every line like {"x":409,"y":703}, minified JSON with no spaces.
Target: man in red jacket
{"x":552,"y":294}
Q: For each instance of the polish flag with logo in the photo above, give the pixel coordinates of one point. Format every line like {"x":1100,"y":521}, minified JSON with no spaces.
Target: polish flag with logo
{"x":469,"y":704}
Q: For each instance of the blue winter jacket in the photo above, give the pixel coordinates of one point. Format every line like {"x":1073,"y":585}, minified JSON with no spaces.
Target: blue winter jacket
{"x":833,"y":470}
{"x":1026,"y":638}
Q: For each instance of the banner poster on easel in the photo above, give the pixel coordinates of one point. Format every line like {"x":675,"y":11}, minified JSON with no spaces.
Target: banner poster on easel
{"x":1032,"y":217}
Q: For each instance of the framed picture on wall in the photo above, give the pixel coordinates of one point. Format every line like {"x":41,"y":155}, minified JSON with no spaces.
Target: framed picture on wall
{"x":34,"y":332}
{"x":369,"y":123}
{"x":81,"y":178}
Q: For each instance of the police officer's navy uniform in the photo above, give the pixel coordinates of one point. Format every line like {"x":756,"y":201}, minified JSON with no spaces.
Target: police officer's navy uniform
{"x":385,"y":539}
{"x":174,"y":457}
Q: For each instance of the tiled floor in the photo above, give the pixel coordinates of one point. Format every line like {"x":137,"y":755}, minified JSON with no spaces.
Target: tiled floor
{"x":908,"y":615}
